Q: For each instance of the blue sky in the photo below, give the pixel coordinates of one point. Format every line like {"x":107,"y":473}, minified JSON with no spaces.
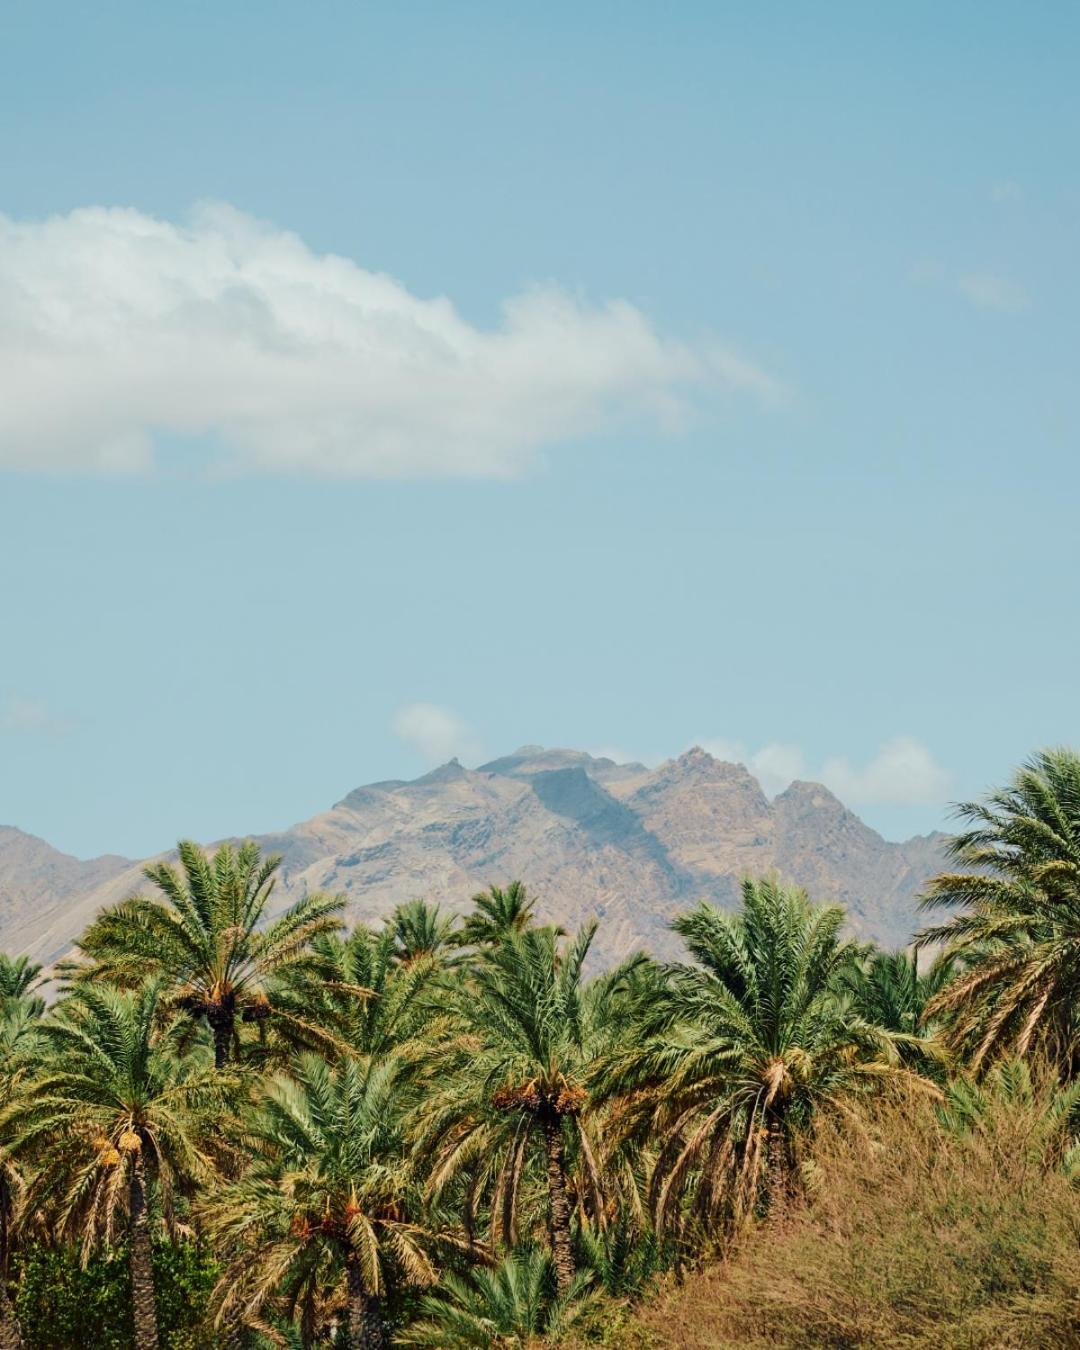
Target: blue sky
{"x":379,"y":382}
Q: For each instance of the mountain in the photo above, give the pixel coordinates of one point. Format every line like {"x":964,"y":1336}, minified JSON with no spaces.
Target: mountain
{"x":37,"y":880}
{"x":630,"y":844}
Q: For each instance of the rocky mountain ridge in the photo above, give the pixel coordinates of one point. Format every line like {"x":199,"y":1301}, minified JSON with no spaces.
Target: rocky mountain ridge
{"x":631,"y":844}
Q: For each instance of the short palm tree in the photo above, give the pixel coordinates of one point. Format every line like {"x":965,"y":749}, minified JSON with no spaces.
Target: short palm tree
{"x":204,"y":938}
{"x":112,"y":1111}
{"x":1015,"y":929}
{"x":732,"y":1056}
{"x":890,"y":990}
{"x":513,"y":1078}
{"x":1045,"y":1112}
{"x":325,"y":1202}
{"x":508,"y":1306}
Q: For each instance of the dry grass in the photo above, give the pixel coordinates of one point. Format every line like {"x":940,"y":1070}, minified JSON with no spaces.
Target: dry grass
{"x":910,"y":1238}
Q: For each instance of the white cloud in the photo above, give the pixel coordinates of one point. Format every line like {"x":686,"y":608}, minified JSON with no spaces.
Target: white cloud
{"x":116,"y":327}
{"x":988,"y":291}
{"x":437,"y":733}
{"x":775,"y":765}
{"x":29,"y":717}
{"x":902,"y":773}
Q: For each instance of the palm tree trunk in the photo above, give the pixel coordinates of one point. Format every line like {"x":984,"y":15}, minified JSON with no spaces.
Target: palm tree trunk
{"x":221,"y":1023}
{"x":367,"y":1330}
{"x":142,"y":1268}
{"x":559,"y":1205}
{"x":10,"y":1332}
{"x":776,"y":1172}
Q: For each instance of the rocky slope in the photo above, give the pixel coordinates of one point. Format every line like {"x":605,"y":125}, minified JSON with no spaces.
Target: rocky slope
{"x":629,"y":844}
{"x":37,"y":881}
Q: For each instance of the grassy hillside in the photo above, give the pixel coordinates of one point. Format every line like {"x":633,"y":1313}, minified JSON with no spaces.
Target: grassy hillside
{"x":912,"y":1235}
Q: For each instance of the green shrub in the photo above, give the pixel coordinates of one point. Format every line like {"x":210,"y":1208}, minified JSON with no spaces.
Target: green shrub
{"x":61,"y":1304}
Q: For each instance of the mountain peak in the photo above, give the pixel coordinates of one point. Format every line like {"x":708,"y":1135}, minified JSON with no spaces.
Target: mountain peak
{"x":699,"y":764}
{"x":530,"y":759}
{"x":811,"y":796}
{"x":450,"y":772}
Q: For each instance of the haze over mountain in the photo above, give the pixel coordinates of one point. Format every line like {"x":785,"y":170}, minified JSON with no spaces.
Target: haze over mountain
{"x":630,"y":844}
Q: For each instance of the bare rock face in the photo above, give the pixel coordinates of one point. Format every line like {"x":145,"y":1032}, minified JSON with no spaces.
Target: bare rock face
{"x":631,"y":845}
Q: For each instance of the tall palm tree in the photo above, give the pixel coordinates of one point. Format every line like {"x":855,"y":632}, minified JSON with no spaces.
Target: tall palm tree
{"x":326,"y":1201}
{"x":205,"y":940}
{"x":513,"y":1078}
{"x":112,"y":1111}
{"x":732,"y":1056}
{"x":1016,"y":921}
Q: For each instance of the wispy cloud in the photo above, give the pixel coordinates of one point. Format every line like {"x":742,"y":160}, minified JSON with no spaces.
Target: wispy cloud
{"x":984,"y":290}
{"x":30,"y":717}
{"x":115,"y":327}
{"x":436,"y":733}
{"x":988,"y":291}
{"x":775,"y":765}
{"x":902,"y":772}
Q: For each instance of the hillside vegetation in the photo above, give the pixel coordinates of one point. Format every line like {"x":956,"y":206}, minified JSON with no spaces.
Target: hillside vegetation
{"x":247,"y":1131}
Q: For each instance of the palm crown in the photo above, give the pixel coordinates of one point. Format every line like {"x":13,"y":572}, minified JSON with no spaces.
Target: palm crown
{"x":326,"y":1202}
{"x":204,"y":939}
{"x":732,"y":1055}
{"x":498,"y":912}
{"x":1016,"y":928}
{"x":375,"y":1002}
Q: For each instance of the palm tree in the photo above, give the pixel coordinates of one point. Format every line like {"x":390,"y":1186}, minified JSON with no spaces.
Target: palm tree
{"x":732,"y":1056}
{"x":1052,"y":1110}
{"x":205,"y":941}
{"x":423,"y":930}
{"x":20,"y":1014}
{"x":112,"y":1111}
{"x":508,"y":1306}
{"x":1016,"y":925}
{"x":514,"y":1077}
{"x":496,"y":914}
{"x":889,"y":990}
{"x":396,"y":1009}
{"x":19,"y":979}
{"x":325,"y":1202}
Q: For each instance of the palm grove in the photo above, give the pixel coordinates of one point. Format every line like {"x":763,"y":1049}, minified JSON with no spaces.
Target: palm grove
{"x":229,"y":1130}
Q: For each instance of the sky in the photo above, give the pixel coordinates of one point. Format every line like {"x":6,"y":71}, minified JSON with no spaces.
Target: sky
{"x":380,"y":383}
